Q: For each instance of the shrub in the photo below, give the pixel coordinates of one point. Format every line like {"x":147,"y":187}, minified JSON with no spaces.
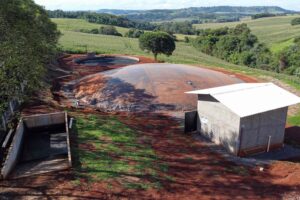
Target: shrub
{"x":109,"y":30}
{"x":236,"y":45}
{"x":134,"y":33}
{"x":295,"y":21}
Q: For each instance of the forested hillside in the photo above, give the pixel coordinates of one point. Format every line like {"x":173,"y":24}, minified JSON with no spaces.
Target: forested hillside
{"x":239,"y":45}
{"x":27,"y":42}
{"x":201,"y":14}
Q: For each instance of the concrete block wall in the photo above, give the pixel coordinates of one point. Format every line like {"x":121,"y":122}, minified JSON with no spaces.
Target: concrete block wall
{"x":256,"y":129}
{"x":218,"y":123}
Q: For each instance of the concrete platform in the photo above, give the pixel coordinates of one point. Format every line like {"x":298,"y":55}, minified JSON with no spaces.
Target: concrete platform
{"x":286,"y":153}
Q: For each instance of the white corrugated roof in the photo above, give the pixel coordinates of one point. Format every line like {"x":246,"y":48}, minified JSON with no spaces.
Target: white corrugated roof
{"x":247,"y":99}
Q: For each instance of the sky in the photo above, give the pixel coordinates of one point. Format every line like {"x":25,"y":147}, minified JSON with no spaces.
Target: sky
{"x":159,"y":4}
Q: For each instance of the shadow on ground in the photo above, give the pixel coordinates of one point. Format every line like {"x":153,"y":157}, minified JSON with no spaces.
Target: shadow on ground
{"x":189,"y":170}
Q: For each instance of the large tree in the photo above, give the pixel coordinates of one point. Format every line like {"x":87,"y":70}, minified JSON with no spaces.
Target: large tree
{"x":27,"y":41}
{"x":157,"y":43}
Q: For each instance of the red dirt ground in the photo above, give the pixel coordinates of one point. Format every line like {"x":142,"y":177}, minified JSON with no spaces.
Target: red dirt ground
{"x":197,"y":172}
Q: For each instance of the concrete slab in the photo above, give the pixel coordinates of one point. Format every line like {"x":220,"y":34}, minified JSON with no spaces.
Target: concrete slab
{"x":288,"y":152}
{"x":40,"y":167}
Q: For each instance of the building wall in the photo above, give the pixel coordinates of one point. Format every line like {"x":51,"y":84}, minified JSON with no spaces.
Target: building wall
{"x":256,"y":129}
{"x":218,"y":123}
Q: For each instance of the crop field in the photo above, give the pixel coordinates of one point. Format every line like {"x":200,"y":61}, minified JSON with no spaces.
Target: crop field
{"x":276,"y":32}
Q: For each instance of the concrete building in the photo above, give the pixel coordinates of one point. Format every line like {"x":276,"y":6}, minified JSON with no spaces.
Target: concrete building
{"x":245,"y":118}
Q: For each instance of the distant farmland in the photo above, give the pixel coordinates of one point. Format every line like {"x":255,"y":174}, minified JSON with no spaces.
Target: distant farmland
{"x":276,"y":32}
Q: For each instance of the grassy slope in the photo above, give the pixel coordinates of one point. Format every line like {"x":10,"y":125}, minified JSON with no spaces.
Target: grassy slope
{"x":77,"y":24}
{"x":184,"y":53}
{"x":109,"y":150}
{"x":277,"y":32}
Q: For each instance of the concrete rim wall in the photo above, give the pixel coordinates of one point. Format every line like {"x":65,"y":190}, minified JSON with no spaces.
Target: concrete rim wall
{"x":14,"y":151}
{"x":15,"y":147}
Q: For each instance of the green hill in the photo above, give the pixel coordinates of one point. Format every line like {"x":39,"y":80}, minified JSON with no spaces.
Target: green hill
{"x":65,"y":24}
{"x":196,"y":13}
{"x":276,"y":32}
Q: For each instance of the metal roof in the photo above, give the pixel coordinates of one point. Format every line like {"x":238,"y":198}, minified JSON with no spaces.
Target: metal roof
{"x":248,"y":99}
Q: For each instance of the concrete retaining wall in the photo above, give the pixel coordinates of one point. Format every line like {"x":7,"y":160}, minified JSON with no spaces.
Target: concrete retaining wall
{"x":14,"y":151}
{"x":34,"y":121}
{"x":44,"y":120}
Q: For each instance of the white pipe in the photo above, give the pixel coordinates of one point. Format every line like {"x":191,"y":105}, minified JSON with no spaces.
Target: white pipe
{"x":71,"y":123}
{"x":269,"y":143}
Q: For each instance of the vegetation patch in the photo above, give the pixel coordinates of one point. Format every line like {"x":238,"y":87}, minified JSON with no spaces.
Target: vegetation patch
{"x":107,"y":149}
{"x":295,"y":21}
{"x":294,"y":120}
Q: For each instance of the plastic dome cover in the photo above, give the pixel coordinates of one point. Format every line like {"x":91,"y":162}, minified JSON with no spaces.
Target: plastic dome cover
{"x":149,"y":87}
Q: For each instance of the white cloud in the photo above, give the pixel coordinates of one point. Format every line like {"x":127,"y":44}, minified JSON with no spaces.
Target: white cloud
{"x":159,"y":4}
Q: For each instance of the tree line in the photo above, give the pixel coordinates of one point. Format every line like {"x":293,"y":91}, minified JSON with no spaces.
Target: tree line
{"x":103,"y":30}
{"x":106,"y":19}
{"x":203,"y":14}
{"x":27,"y":41}
{"x":264,"y":15}
{"x":184,"y":27}
{"x":239,"y":46}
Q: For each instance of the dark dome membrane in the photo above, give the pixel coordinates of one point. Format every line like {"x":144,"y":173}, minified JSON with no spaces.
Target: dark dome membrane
{"x":149,"y":87}
{"x":107,"y":61}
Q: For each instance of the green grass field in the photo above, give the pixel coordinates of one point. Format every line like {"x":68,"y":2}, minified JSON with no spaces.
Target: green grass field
{"x":276,"y":32}
{"x":73,"y":41}
{"x":109,"y":150}
{"x":77,"y":24}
